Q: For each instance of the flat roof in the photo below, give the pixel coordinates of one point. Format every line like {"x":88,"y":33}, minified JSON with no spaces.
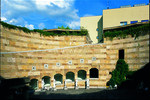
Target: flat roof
{"x":126,"y":7}
{"x":51,"y":30}
{"x":92,"y":16}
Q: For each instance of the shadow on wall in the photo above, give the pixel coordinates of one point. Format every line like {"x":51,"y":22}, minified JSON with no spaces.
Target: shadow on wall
{"x":100,"y":30}
{"x":15,"y":89}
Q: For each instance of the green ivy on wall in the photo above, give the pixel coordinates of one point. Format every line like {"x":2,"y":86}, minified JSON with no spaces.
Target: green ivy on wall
{"x":133,"y":31}
{"x":83,"y":32}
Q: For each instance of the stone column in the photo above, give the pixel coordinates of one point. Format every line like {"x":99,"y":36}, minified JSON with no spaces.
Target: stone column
{"x":88,"y":74}
{"x":54,"y":85}
{"x":39,"y":83}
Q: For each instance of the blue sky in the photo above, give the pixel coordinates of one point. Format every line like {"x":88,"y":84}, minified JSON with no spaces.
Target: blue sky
{"x":39,"y":14}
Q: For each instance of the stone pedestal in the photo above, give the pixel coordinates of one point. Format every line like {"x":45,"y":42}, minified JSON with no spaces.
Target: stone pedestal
{"x":87,"y":86}
{"x":43,"y":84}
{"x":76,"y":84}
{"x":65,"y":87}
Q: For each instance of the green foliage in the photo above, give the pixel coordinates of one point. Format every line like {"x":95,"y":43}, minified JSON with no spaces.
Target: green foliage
{"x":9,"y":26}
{"x":84,"y":31}
{"x":44,"y":28}
{"x":45,"y":33}
{"x":119,"y":74}
{"x":62,"y":27}
{"x":133,"y":31}
{"x":68,"y":27}
{"x":130,"y":74}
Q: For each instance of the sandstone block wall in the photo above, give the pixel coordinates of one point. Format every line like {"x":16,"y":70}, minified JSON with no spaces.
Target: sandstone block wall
{"x":65,"y":49}
{"x":15,"y":40}
{"x":20,"y":64}
{"x":136,"y":50}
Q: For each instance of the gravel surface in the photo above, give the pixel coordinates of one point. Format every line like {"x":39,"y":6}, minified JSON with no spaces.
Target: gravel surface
{"x":102,"y":94}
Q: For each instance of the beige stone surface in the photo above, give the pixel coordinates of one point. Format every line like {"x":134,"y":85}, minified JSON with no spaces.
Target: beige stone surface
{"x":20,"y":64}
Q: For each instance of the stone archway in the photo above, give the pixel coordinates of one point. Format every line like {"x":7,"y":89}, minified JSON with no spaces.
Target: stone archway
{"x":58,"y":79}
{"x":34,"y":83}
{"x":46,"y":82}
{"x":81,"y":75}
{"x":70,"y":76}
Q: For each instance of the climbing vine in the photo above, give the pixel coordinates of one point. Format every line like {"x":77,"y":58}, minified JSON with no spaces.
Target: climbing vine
{"x":133,"y":31}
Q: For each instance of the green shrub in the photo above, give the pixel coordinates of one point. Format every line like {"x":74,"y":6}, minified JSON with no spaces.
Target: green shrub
{"x":133,"y":31}
{"x":111,"y":82}
{"x":130,"y":74}
{"x":119,"y":74}
{"x":83,"y":32}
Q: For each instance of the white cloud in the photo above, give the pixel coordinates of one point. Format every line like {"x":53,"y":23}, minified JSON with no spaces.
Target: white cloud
{"x":17,"y":21}
{"x":43,"y":4}
{"x":3,"y":18}
{"x":12,"y":21}
{"x":18,"y":12}
{"x":74,"y":24}
{"x":41,"y":25}
{"x":30,"y":26}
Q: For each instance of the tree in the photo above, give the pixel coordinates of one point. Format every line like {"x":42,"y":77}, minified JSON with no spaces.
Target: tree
{"x":44,"y":28}
{"x":119,"y":74}
{"x":62,"y":27}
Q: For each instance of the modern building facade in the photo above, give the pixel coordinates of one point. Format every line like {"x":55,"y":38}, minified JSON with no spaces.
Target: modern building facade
{"x":125,"y":15}
{"x":114,"y":17}
{"x":92,"y":25}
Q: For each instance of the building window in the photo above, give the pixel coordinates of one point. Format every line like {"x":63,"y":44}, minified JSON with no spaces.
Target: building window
{"x":33,"y":67}
{"x":123,"y":23}
{"x":97,"y":29}
{"x":81,"y":60}
{"x":57,"y":64}
{"x":93,"y":58}
{"x":45,"y":66}
{"x":93,"y":73}
{"x":121,"y":54}
{"x":132,"y":22}
{"x":97,"y":37}
{"x":144,"y":20}
{"x":70,"y":62}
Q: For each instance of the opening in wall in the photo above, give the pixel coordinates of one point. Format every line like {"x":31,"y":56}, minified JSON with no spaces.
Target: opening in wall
{"x":93,"y":73}
{"x":123,"y":23}
{"x":121,"y":54}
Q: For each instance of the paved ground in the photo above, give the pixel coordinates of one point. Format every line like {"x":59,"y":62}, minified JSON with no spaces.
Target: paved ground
{"x":101,"y":94}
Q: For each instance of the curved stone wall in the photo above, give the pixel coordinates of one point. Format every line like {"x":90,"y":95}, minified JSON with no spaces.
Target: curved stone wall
{"x":15,"y":40}
{"x":35,"y":56}
{"x":64,"y":54}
